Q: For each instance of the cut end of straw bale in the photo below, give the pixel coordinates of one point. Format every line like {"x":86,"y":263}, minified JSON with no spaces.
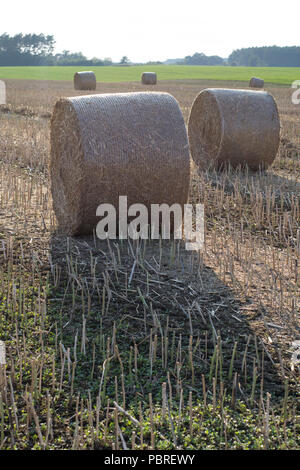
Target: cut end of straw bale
{"x":111,"y":145}
{"x":85,"y":81}
{"x":149,"y":78}
{"x":256,"y":83}
{"x":234,"y":127}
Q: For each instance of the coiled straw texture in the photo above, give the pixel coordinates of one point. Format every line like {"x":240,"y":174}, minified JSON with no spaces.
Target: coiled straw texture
{"x":106,"y":146}
{"x":234,"y":127}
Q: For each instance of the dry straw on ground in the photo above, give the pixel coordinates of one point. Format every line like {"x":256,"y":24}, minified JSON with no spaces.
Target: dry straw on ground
{"x":85,"y":81}
{"x":111,"y":145}
{"x":256,"y":82}
{"x":236,"y":127}
{"x":149,"y":78}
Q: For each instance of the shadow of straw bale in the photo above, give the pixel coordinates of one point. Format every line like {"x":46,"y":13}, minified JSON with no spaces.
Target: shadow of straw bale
{"x":247,"y":185}
{"x":134,"y":295}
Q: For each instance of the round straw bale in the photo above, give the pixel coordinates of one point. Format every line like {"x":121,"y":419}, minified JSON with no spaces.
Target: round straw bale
{"x":256,"y":82}
{"x":85,"y":81}
{"x":149,"y":78}
{"x":236,"y":127}
{"x":111,"y":145}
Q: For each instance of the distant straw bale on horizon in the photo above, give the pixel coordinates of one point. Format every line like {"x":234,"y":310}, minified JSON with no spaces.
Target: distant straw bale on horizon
{"x":236,"y":127}
{"x":149,"y":78}
{"x":256,"y":82}
{"x":85,"y":81}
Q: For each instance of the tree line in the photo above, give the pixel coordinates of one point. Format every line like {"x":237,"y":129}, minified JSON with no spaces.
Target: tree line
{"x":269,"y":56}
{"x":272,"y":56}
{"x":202,"y":59}
{"x":38,"y":49}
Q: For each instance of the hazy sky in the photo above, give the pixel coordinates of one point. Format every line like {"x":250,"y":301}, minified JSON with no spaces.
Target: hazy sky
{"x":155,"y":29}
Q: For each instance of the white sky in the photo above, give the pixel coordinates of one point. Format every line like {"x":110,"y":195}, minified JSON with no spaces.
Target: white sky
{"x":155,"y":29}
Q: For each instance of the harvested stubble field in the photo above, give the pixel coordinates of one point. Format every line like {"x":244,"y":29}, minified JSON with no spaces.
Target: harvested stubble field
{"x":145,"y":345}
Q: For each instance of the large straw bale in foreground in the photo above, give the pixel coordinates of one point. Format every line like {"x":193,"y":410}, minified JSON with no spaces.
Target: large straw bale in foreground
{"x":256,"y":83}
{"x":236,"y":127}
{"x":106,"y":146}
{"x":149,"y":78}
{"x":85,"y":81}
